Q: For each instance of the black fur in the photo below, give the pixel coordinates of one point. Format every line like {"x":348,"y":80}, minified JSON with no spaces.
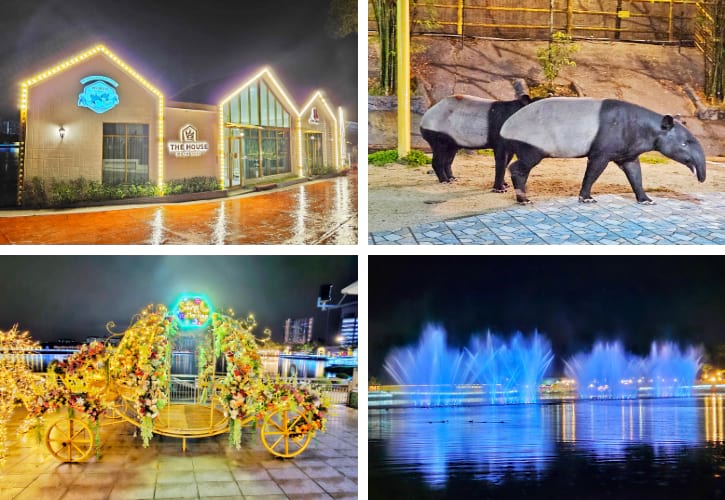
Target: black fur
{"x":445,"y":147}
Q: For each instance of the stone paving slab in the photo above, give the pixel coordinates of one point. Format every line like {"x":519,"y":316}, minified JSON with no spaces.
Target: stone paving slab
{"x":614,"y":220}
{"x":209,"y":469}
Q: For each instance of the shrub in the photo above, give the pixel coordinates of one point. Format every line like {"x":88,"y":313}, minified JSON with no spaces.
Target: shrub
{"x":380,"y":158}
{"x":191,"y":185}
{"x":322,"y":170}
{"x":416,"y":158}
{"x":556,"y":55}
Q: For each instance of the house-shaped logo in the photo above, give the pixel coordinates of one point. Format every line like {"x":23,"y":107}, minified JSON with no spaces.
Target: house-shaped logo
{"x":189,"y":144}
{"x":188,"y":133}
{"x":314,"y":116}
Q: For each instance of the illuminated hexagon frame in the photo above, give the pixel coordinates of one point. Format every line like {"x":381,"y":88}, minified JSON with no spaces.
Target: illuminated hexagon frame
{"x":173,"y":310}
{"x":70,"y":62}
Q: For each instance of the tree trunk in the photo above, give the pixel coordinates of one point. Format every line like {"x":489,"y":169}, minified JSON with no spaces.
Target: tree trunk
{"x":386,"y":20}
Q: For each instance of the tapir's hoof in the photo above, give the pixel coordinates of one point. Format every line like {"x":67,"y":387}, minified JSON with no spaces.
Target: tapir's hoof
{"x":500,"y":190}
{"x":646,"y":202}
{"x":587,"y":200}
{"x":452,"y":179}
{"x":523,"y":201}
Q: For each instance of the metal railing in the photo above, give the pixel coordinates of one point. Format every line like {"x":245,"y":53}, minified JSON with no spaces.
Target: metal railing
{"x":642,"y":20}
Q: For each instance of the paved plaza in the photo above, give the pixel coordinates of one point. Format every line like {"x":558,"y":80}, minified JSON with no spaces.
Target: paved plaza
{"x":209,"y":468}
{"x":322,"y":212}
{"x":614,"y":220}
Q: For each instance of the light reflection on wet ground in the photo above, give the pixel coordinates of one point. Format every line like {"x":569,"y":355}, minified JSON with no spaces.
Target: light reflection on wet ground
{"x":600,"y":448}
{"x":320,"y":212}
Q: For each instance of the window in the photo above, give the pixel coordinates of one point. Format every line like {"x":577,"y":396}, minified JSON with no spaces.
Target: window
{"x":125,"y":153}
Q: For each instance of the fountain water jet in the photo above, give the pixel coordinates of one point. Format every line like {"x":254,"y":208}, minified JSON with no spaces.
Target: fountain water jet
{"x":609,"y":372}
{"x":507,"y":372}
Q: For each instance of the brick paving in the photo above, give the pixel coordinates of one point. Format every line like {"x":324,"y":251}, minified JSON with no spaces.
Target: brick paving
{"x":614,"y":220}
{"x":327,"y":469}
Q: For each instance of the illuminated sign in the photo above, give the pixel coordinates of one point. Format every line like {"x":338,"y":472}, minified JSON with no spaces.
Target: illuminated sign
{"x":188,"y":144}
{"x":192,"y":312}
{"x":99,"y":95}
{"x":314,"y":116}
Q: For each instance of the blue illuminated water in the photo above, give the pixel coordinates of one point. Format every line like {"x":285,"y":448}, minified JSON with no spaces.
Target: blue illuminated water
{"x":508,"y":370}
{"x":631,"y":448}
{"x":608,"y":371}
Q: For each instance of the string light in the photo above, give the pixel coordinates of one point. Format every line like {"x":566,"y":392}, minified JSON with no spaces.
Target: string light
{"x":72,"y":61}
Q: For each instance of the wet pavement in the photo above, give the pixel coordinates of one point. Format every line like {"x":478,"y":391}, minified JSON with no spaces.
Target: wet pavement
{"x":208,"y":469}
{"x":614,"y":220}
{"x":318,"y":213}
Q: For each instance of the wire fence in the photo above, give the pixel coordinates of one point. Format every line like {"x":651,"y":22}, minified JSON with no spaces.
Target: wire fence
{"x":633,"y":20}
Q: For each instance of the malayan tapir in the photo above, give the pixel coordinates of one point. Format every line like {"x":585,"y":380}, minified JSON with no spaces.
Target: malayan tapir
{"x":468,"y":122}
{"x":603,"y":130}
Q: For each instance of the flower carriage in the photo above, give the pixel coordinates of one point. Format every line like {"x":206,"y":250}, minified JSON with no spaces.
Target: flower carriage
{"x":132,"y":382}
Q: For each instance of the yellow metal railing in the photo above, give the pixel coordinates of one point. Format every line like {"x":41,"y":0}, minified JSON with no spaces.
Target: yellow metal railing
{"x":655,"y":20}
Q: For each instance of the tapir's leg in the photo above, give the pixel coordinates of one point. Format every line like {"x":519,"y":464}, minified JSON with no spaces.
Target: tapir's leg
{"x":595,"y":166}
{"x":528,"y":158}
{"x":502,"y":159}
{"x":443,"y":154}
{"x":633,"y":171}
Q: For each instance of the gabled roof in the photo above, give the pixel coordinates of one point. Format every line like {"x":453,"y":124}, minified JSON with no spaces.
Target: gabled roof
{"x":77,"y":59}
{"x":267,"y":74}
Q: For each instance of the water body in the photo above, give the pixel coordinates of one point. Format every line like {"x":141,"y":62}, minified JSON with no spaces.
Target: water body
{"x":8,"y":175}
{"x":642,"y":448}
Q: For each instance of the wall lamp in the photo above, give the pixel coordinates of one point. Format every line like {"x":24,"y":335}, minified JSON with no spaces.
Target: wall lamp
{"x":61,"y":132}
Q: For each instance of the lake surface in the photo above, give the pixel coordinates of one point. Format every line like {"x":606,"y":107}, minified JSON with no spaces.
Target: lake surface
{"x":8,"y":175}
{"x":645,"y":448}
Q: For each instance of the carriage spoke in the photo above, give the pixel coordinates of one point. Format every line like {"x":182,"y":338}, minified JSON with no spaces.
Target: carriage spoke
{"x":277,"y":442}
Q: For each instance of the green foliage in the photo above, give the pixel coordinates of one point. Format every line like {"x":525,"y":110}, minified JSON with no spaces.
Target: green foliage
{"x":322,"y":170}
{"x":416,"y":158}
{"x":381,"y":158}
{"x":711,"y":28}
{"x":342,"y":18}
{"x":485,"y":152}
{"x":191,"y":185}
{"x":556,"y":55}
{"x":53,"y":193}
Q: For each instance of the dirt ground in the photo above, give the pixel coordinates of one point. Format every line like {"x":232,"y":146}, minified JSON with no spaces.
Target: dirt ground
{"x":400,"y":196}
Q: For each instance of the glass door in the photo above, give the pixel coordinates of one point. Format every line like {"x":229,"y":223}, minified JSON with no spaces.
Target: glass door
{"x":313,"y":147}
{"x":235,"y":158}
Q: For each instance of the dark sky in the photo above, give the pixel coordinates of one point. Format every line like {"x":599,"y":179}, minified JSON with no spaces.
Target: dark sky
{"x":180,"y":43}
{"x":75,"y":296}
{"x":573,"y":300}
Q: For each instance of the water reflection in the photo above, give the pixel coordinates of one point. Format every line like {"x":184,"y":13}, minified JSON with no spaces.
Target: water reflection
{"x":714,"y":429}
{"x":496,"y":442}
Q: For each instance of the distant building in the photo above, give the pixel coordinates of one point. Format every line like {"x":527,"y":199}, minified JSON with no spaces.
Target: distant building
{"x":9,"y":127}
{"x":348,"y":325}
{"x":298,"y":331}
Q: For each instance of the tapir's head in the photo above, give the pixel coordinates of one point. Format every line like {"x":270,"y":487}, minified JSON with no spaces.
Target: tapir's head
{"x":676,"y":142}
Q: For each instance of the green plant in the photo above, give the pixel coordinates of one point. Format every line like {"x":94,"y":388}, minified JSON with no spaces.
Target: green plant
{"x":556,"y":55}
{"x":322,"y":170}
{"x":652,"y":159}
{"x":197,"y":184}
{"x":416,"y":158}
{"x":380,"y":158}
{"x":711,"y":29}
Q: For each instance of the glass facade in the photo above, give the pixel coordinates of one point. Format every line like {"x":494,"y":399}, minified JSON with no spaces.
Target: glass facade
{"x":257,"y":130}
{"x":125,"y":153}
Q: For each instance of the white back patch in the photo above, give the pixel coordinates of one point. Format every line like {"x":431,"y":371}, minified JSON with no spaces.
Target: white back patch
{"x":562,"y":127}
{"x":464,"y":118}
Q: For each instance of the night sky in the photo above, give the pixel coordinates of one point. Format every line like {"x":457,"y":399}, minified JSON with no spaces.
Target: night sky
{"x":181,"y":44}
{"x":75,"y":296}
{"x":573,"y":300}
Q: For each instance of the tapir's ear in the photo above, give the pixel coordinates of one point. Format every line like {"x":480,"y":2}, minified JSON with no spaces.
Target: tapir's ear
{"x":525,"y":99}
{"x":667,"y":122}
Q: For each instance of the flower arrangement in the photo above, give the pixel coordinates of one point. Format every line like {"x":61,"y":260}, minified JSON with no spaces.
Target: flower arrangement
{"x":142,"y":363}
{"x":16,"y":378}
{"x":239,"y":388}
{"x":302,"y":398}
{"x":77,"y":383}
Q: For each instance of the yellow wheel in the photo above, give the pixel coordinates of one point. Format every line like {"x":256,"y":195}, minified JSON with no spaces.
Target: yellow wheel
{"x":281,"y":433}
{"x":69,"y":440}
